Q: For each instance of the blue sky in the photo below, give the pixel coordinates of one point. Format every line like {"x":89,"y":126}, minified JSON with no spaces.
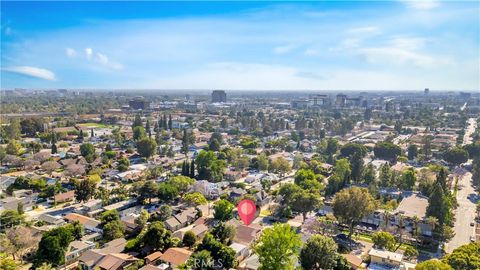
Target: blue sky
{"x":328,"y":45}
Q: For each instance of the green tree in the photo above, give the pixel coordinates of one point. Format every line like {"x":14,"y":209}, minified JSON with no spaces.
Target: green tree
{"x":410,"y":253}
{"x":281,"y":166}
{"x":307,"y":179}
{"x":146,"y":147}
{"x":332,"y":146}
{"x":10,"y":218}
{"x":189,"y":239}
{"x":433,"y":264}
{"x":209,"y":167}
{"x":185,"y":142}
{"x":123,"y":164}
{"x":350,"y":149}
{"x":262,"y":161}
{"x":157,"y":237}
{"x":384,"y":240}
{"x":137,"y":122}
{"x":8,"y":264}
{"x":438,"y":205}
{"x":320,"y":252}
{"x":201,"y":260}
{"x":88,"y":152}
{"x":219,"y":251}
{"x":386,"y":150}
{"x":305,"y":202}
{"x":412,"y":151}
{"x":142,"y":218}
{"x":357,"y":164}
{"x":278,"y":247}
{"x":192,"y":169}
{"x":223,"y":210}
{"x":385,"y":175}
{"x":194,"y":199}
{"x":113,"y":230}
{"x":466,"y":257}
{"x":167,"y":192}
{"x":77,"y":229}
{"x":85,"y":189}
{"x":164,"y":212}
{"x":351,"y":205}
{"x":181,"y":183}
{"x":139,"y":133}
{"x":456,"y":155}
{"x":224,"y":232}
{"x":409,"y":179}
{"x":13,"y":148}
{"x":148,"y":191}
{"x":13,"y":130}
{"x":369,"y":174}
{"x":53,"y":246}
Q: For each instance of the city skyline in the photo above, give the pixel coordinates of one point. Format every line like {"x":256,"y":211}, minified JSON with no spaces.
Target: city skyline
{"x":397,"y":45}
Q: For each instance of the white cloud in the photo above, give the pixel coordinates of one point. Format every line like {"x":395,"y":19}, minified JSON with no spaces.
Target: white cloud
{"x":397,"y":56}
{"x":421,"y":4}
{"x":364,"y":30}
{"x":70,"y":52}
{"x":32,"y":72}
{"x":311,"y":52}
{"x":88,"y":53}
{"x":283,"y":49}
{"x":408,"y":43}
{"x":103,"y":59}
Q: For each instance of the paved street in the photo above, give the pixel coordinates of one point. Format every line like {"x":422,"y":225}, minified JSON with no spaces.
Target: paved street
{"x":464,"y":214}
{"x":465,"y":211}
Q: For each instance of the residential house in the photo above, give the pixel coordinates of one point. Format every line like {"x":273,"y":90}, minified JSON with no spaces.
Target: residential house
{"x":90,"y":224}
{"x":175,"y":256}
{"x":64,"y":197}
{"x":383,"y":259}
{"x":262,"y":198}
{"x":77,"y":248}
{"x":181,"y":219}
{"x":51,"y":220}
{"x":152,"y":258}
{"x":241,"y":251}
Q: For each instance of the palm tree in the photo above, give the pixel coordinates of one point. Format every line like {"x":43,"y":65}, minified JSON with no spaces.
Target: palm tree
{"x":415,"y":221}
{"x":401,"y":224}
{"x":386,"y":218}
{"x":433,"y":222}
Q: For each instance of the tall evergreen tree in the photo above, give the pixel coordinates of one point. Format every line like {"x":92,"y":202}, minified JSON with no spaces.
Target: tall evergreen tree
{"x":54,"y":148}
{"x":185,"y":142}
{"x":165,"y":125}
{"x":192,"y":169}
{"x":438,"y":205}
{"x":183,"y":168}
{"x":170,"y":122}
{"x":357,"y":167}
{"x":137,"y":122}
{"x":148,"y":128}
{"x":187,"y":168}
{"x":442,"y":179}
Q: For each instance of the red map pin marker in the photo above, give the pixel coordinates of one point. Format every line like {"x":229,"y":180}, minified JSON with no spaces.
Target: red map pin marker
{"x":246,"y":210}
